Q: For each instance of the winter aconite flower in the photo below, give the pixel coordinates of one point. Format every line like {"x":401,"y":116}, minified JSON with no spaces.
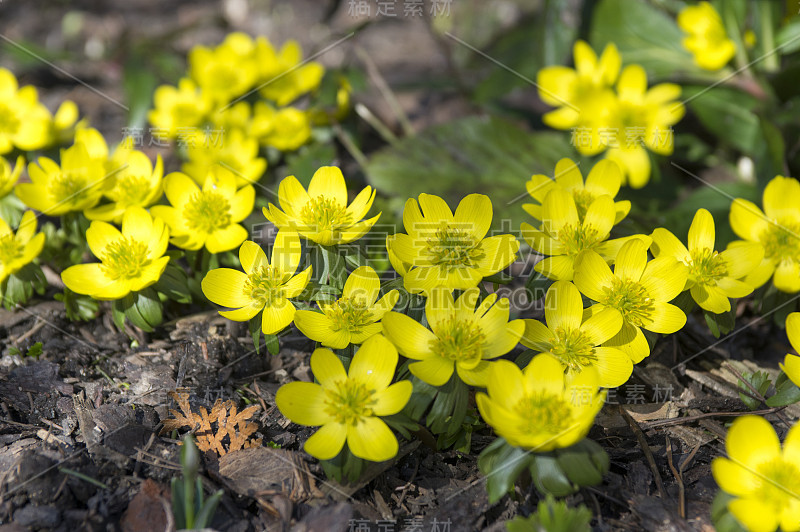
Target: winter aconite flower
{"x":777,"y":229}
{"x":575,"y":342}
{"x":130,"y":260}
{"x":706,"y":39}
{"x":354,"y":317}
{"x":265,"y":285}
{"x":348,"y":406}
{"x":24,"y":121}
{"x":9,"y":175}
{"x":639,"y":290}
{"x":447,"y":249}
{"x":284,"y":76}
{"x":74,"y":185}
{"x":322,"y":214}
{"x":461,"y":338}
{"x":791,"y":364}
{"x":226,"y":71}
{"x":564,"y":234}
{"x":540,"y":408}
{"x":209,"y":217}
{"x":763,"y":478}
{"x":136,"y":184}
{"x":18,"y":250}
{"x":605,"y":178}
{"x":178,"y":108}
{"x":713,"y":276}
{"x":234,"y":151}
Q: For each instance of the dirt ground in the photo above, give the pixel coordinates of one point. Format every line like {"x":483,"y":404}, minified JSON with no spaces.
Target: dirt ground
{"x":79,"y":448}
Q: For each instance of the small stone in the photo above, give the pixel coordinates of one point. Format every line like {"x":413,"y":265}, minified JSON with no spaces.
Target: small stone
{"x":38,"y":516}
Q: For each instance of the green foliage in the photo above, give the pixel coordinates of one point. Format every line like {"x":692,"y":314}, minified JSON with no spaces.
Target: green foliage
{"x":78,"y":307}
{"x":723,"y":520}
{"x":786,"y":392}
{"x":34,"y":351}
{"x":553,"y":516}
{"x":192,"y":511}
{"x":760,"y":381}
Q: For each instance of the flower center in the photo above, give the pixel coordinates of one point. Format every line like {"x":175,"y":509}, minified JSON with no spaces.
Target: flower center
{"x":781,"y":241}
{"x":10,"y":249}
{"x":131,"y":190}
{"x":67,"y":186}
{"x":124,"y":259}
{"x":707,"y":267}
{"x":453,"y":248}
{"x":221,"y":77}
{"x":460,"y":341}
{"x":349,"y":314}
{"x":265,"y":285}
{"x":207,"y":212}
{"x":542,"y":412}
{"x":631,"y":299}
{"x":9,"y":123}
{"x":573,"y":348}
{"x":778,"y":483}
{"x":349,"y":401}
{"x":578,"y":238}
{"x":325,"y":214}
{"x":583,"y":198}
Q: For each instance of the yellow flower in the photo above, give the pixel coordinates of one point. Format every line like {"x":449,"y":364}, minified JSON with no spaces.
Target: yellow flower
{"x":18,"y":250}
{"x":322,"y":214}
{"x":605,"y":178}
{"x":62,"y":128}
{"x":713,"y":276}
{"x":449,"y":250}
{"x":283,"y":79}
{"x":94,"y":142}
{"x":574,"y":341}
{"x":231,"y":149}
{"x":540,"y":408}
{"x":641,"y":118}
{"x":24,"y":121}
{"x":763,"y":478}
{"x":9,"y":176}
{"x":76,"y":185}
{"x":227,"y":71}
{"x":580,"y":94}
{"x":639,"y":290}
{"x":136,"y":184}
{"x":564,"y":235}
{"x":777,"y":229}
{"x":209,"y":217}
{"x":130,"y":260}
{"x":349,"y":406}
{"x":706,"y":39}
{"x":354,"y":317}
{"x":177,"y":108}
{"x":287,"y":130}
{"x":791,"y":364}
{"x":264,"y":285}
{"x":461,"y":338}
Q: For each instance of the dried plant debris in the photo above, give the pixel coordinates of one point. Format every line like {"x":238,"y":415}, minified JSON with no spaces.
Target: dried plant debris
{"x":223,"y":430}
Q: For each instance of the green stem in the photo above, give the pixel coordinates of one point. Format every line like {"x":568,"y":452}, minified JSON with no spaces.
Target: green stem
{"x":735,"y":33}
{"x":771,"y":62}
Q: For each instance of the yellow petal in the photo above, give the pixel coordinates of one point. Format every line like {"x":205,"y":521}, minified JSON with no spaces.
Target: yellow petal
{"x":614,"y":367}
{"x":252,"y":256}
{"x":782,"y":199}
{"x":319,"y":327}
{"x":474,"y":215}
{"x":504,"y":340}
{"x":563,"y":306}
{"x":179,"y":188}
{"x":602,"y":325}
{"x":710,"y":298}
{"x":601,"y":215}
{"x":361,"y":204}
{"x":560,"y":268}
{"x":374,"y":363}
{"x":536,"y":336}
{"x":539,"y":185}
{"x":474,"y":376}
{"x":286,"y":252}
{"x":372,"y":440}
{"x":295,"y":286}
{"x":391,"y":400}
{"x":384,"y":304}
{"x":733,"y":478}
{"x":667,"y":244}
{"x":701,"y":232}
{"x":742,"y":259}
{"x":277,"y":316}
{"x":604,"y":178}
{"x":787,"y":276}
{"x":592,"y":275}
{"x":631,"y":261}
{"x":242,"y":203}
{"x":665,"y":318}
{"x":568,"y":175}
{"x":86,"y":279}
{"x":747,"y":220}
{"x":499,"y":252}
{"x":99,"y":235}
{"x":225,"y":286}
{"x":409,"y":336}
{"x":791,"y":444}
{"x":327,"y":442}
{"x":664,"y":278}
{"x":327,"y":368}
{"x":544,"y":375}
{"x":362,"y":285}
{"x":440,"y":307}
{"x":435,"y":209}
{"x":756,"y":515}
{"x":328,"y":181}
{"x":434,"y":370}
{"x":137,"y":224}
{"x":558,"y":210}
{"x":751,"y":440}
{"x":226,"y":239}
{"x":555,"y":84}
{"x":243,"y":314}
{"x":292,"y":196}
{"x":793,"y":330}
{"x":303,"y":403}
{"x":505,"y":381}
{"x":631,"y":341}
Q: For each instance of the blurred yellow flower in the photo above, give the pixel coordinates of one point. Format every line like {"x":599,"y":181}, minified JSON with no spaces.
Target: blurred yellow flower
{"x":9,"y":176}
{"x":209,"y":217}
{"x":539,"y":408}
{"x":178,"y":109}
{"x":282,"y":77}
{"x":231,"y":149}
{"x":639,"y":290}
{"x":763,"y":478}
{"x":461,"y":338}
{"x":322,"y":214}
{"x":130,"y":260}
{"x":76,"y":185}
{"x":777,"y":229}
{"x":706,"y":39}
{"x":136,"y":183}
{"x":713,"y":276}
{"x":791,"y":364}
{"x":574,"y":341}
{"x":348,"y":406}
{"x":24,"y":121}
{"x":264,"y":286}
{"x":226,"y":71}
{"x":18,"y":250}
{"x":447,"y":249}
{"x":604,"y":178}
{"x":352,"y":318}
{"x":564,"y":235}
{"x":289,"y":128}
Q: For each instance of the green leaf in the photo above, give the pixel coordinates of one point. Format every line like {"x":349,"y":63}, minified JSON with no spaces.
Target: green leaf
{"x":787,"y":393}
{"x":254,"y":326}
{"x":553,"y":516}
{"x":760,"y":381}
{"x":449,"y":407}
{"x":729,"y":114}
{"x":139,"y":83}
{"x":273,"y":346}
{"x":453,"y":159}
{"x":501,"y":464}
{"x":147,"y":306}
{"x":79,"y":307}
{"x":548,"y":477}
{"x":644,"y":34}
{"x":583,"y":463}
{"x":723,"y":520}
{"x":35,"y":350}
{"x":422,"y":396}
{"x":174,"y":284}
{"x":788,"y":37}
